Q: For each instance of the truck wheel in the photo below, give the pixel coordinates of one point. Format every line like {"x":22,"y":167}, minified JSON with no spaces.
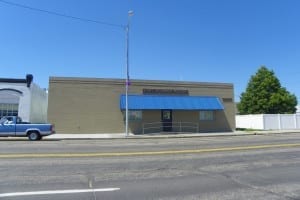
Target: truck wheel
{"x":33,"y":136}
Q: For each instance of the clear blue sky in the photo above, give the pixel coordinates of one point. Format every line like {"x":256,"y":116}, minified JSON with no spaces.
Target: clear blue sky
{"x":188,"y":40}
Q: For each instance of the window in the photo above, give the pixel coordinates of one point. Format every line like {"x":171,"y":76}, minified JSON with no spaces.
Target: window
{"x":8,"y":109}
{"x":206,"y":115}
{"x":133,"y":115}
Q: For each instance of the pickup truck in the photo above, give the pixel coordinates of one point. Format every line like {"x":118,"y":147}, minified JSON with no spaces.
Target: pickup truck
{"x":12,"y":126}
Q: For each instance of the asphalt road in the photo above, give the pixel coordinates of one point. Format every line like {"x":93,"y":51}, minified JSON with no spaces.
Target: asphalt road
{"x":239,"y":167}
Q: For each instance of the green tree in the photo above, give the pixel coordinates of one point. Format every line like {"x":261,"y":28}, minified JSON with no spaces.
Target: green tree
{"x":265,"y":95}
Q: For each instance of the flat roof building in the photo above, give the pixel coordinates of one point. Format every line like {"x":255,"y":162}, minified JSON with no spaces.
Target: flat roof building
{"x":23,"y":98}
{"x":95,"y":105}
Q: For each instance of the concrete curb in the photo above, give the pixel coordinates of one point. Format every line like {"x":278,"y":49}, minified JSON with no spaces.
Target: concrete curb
{"x":275,"y":132}
{"x":101,"y":136}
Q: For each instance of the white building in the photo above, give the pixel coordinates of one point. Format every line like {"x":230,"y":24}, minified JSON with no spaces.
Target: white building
{"x":22,"y":97}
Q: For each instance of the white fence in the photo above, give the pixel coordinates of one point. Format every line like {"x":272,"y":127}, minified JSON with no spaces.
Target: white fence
{"x":268,"y":121}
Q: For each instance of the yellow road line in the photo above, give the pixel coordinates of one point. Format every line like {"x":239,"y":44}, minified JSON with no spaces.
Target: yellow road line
{"x":146,"y":153}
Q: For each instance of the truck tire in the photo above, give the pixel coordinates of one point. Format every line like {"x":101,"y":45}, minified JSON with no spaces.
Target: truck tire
{"x":34,"y":135}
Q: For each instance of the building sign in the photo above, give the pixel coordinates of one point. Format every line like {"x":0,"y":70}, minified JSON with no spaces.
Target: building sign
{"x":225,"y":100}
{"x":165,"y":92}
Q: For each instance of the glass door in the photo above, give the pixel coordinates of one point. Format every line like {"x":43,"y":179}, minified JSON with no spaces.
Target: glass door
{"x":166,"y":119}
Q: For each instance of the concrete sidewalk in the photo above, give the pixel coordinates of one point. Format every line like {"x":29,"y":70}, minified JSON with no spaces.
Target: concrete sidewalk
{"x":60,"y":136}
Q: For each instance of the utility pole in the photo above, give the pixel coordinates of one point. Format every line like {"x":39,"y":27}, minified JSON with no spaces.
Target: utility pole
{"x":130,"y":13}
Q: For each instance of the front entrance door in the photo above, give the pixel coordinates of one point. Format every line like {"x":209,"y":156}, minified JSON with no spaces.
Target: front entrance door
{"x":166,"y":119}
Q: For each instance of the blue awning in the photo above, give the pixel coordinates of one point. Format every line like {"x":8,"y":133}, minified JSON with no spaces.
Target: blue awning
{"x":159,"y":102}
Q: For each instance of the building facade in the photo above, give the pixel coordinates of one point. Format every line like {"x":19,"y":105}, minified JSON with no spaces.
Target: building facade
{"x":89,"y":105}
{"x":22,"y":97}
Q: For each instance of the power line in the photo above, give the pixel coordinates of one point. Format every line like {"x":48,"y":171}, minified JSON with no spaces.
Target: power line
{"x":60,"y":14}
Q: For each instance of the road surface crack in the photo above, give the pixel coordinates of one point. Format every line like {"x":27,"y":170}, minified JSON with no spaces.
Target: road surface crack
{"x":261,"y":189}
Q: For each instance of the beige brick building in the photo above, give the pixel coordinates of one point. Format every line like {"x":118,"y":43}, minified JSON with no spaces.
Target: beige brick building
{"x":89,"y":105}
